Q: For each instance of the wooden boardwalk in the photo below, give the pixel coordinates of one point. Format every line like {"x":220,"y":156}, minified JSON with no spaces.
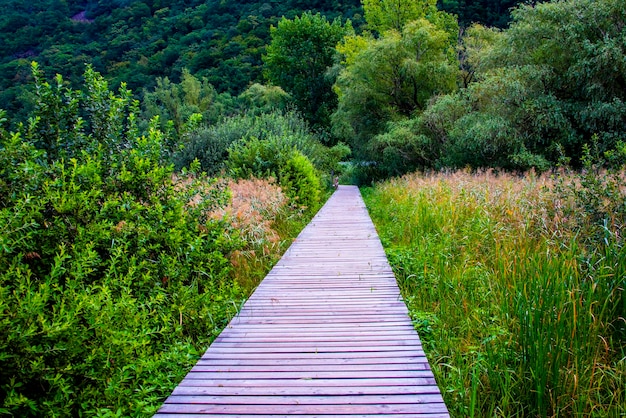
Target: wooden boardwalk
{"x":325,"y":334}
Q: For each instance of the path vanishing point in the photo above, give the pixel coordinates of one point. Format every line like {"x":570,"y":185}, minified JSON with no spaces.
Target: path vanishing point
{"x":326,"y":334}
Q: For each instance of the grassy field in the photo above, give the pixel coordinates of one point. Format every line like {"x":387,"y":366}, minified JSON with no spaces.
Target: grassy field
{"x":515,"y":285}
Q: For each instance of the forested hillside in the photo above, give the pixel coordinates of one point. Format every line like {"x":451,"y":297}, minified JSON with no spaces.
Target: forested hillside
{"x":488,"y":12}
{"x":135,"y":41}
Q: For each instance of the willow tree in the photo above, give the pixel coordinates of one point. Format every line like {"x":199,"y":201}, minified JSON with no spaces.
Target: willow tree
{"x":392,"y":78}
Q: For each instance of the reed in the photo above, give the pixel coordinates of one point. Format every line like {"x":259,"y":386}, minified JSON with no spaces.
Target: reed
{"x":521,"y":313}
{"x":259,"y":217}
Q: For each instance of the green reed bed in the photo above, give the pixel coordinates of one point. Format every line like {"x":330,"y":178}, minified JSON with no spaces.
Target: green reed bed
{"x":514,"y":287}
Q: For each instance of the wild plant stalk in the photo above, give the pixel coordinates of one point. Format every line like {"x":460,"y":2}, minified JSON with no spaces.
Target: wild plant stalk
{"x":520,"y":316}
{"x":258,"y":214}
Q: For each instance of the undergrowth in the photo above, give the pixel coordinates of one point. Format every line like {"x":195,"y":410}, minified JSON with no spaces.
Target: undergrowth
{"x":515,"y":285}
{"x":115,"y":272}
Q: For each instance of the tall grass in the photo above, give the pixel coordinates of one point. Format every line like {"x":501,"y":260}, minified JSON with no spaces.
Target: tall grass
{"x":260,"y":216}
{"x":521,"y":313}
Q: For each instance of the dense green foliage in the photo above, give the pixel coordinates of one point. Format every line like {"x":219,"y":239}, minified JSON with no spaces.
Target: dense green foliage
{"x":516,"y":287}
{"x":183,"y":106}
{"x":114,"y":272}
{"x":109,"y":275}
{"x":118,"y":252}
{"x":385,"y":15}
{"x":298,"y":58}
{"x":390,"y":78}
{"x":547,"y":85}
{"x":235,"y":141}
{"x":136,"y":41}
{"x":275,"y":157}
{"x":488,"y":12}
{"x":528,"y":96}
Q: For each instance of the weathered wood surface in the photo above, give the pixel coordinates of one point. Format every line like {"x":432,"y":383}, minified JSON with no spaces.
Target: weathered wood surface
{"x":325,"y":334}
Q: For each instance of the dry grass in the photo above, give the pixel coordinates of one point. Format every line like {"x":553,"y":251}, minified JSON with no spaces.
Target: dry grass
{"x":252,"y":212}
{"x":254,"y":205}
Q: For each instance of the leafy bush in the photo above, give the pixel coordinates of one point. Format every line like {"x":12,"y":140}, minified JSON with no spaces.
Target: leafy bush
{"x":481,"y":140}
{"x":112,"y":274}
{"x":277,"y":157}
{"x":255,"y":157}
{"x":209,"y":145}
{"x":332,"y":163}
{"x":402,"y":149}
{"x":301,"y":181}
{"x":260,"y":99}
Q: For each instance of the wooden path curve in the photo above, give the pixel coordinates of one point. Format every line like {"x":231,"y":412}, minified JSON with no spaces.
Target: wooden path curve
{"x":325,"y":334}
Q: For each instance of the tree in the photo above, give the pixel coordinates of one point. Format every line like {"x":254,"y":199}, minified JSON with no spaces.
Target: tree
{"x":537,"y":92}
{"x":578,"y":48}
{"x":475,"y":43}
{"x":384,"y":15}
{"x":264,"y":99}
{"x":176,"y":102}
{"x":392,"y":78}
{"x":297,"y":59}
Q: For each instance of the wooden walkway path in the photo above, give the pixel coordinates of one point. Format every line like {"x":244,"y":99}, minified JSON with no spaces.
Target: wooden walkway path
{"x":325,"y":334}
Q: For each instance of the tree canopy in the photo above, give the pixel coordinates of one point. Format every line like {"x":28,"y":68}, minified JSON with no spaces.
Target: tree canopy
{"x":383,"y":15}
{"x":298,"y":58}
{"x":393,"y":77}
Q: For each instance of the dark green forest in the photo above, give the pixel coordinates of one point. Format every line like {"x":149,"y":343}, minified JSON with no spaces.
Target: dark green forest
{"x":135,"y":41}
{"x":156,"y":157}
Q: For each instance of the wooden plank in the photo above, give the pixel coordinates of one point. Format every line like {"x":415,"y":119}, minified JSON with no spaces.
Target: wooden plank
{"x":343,"y":362}
{"x":382,"y":338}
{"x":306,"y":313}
{"x":293,"y":345}
{"x":304,"y":391}
{"x":293,"y":354}
{"x":197,"y":373}
{"x":305,"y":400}
{"x":355,"y":382}
{"x":325,"y":334}
{"x":318,"y":323}
{"x":306,"y":409}
{"x":227,"y":367}
{"x":317,"y":350}
{"x":405,"y":326}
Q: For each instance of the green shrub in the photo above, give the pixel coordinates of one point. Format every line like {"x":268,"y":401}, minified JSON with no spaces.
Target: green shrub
{"x":260,"y":99}
{"x":300,"y":180}
{"x":481,"y":140}
{"x":277,"y":157}
{"x":402,"y":149}
{"x":112,"y":277}
{"x":209,"y":145}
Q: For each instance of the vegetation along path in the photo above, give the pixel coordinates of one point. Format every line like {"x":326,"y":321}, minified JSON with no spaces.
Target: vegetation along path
{"x":325,"y":334}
